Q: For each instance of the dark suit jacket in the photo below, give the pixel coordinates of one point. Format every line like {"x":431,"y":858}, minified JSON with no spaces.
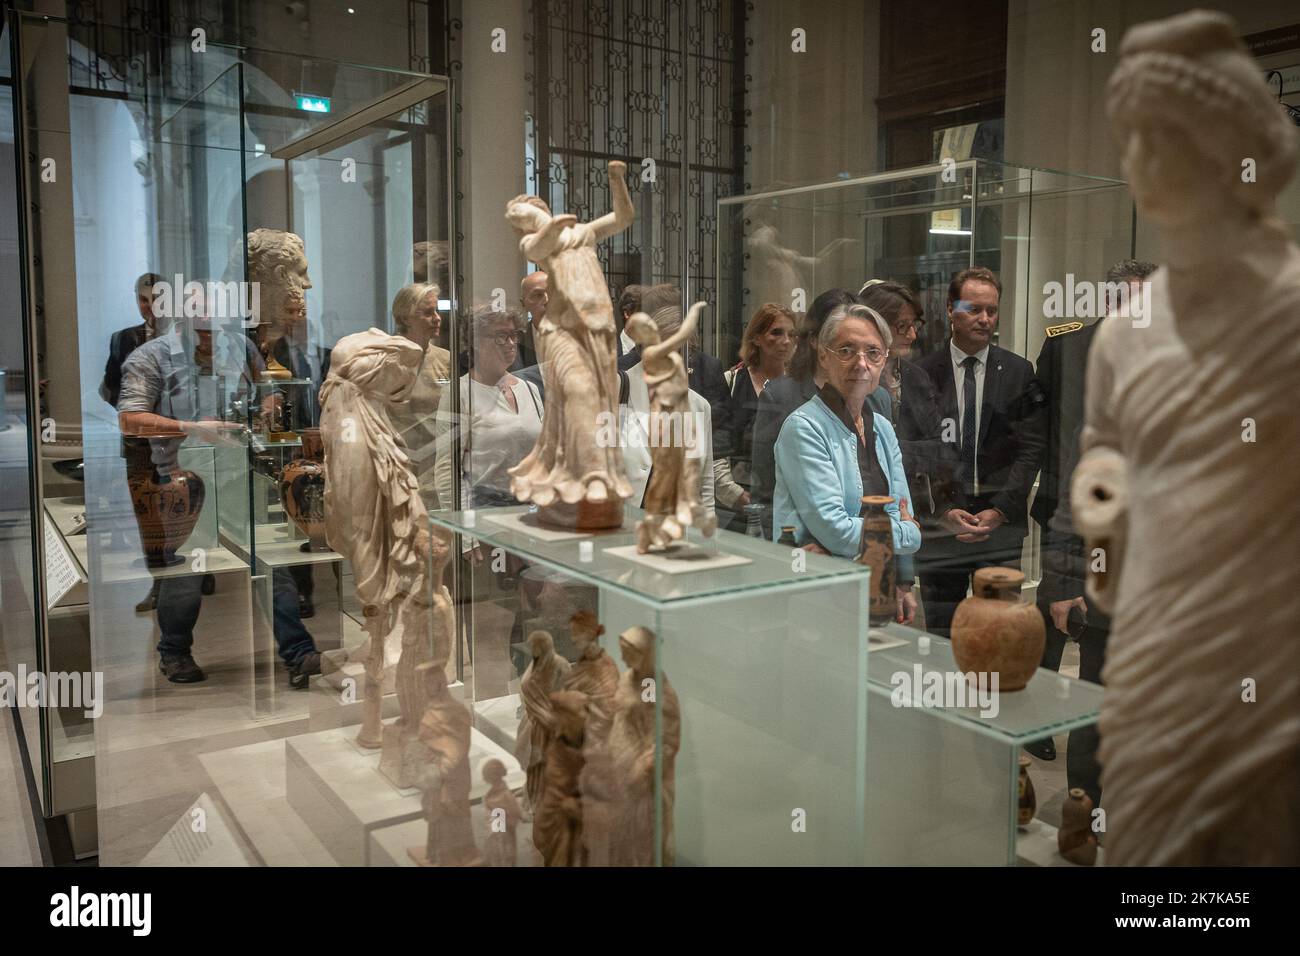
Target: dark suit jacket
{"x":121,"y":345}
{"x":928,"y":460}
{"x":304,"y":417}
{"x":1010,"y":444}
{"x":1062,"y":371}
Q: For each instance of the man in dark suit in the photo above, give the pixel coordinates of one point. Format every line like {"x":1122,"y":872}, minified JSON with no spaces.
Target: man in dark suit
{"x":1062,"y":370}
{"x":125,"y":341}
{"x":991,"y":408}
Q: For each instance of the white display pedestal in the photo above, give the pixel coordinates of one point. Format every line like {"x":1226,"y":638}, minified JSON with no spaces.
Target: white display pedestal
{"x":336,"y":787}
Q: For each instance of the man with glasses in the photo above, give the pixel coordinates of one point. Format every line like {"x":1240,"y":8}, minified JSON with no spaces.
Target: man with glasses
{"x":992,"y":414}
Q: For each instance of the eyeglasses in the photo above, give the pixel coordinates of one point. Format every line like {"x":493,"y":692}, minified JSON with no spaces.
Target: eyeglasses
{"x":507,"y":338}
{"x":846,"y":354}
{"x":916,"y":325}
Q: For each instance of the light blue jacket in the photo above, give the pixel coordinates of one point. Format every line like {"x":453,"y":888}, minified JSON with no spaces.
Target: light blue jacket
{"x":819,"y":486}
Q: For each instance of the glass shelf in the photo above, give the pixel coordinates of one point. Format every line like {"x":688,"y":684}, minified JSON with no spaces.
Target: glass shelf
{"x":770,"y":564}
{"x":1049,"y":704}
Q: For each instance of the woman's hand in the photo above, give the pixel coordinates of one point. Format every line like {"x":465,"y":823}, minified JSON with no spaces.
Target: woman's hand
{"x":905,"y":601}
{"x":812,"y":547}
{"x":744,"y":500}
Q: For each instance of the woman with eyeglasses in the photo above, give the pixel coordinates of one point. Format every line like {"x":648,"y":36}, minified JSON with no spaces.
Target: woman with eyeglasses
{"x":831,"y":451}
{"x":501,"y":415}
{"x":765,"y":350}
{"x":782,"y":396}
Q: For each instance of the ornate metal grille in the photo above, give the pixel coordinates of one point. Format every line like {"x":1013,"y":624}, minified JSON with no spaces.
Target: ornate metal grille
{"x":641,"y":80}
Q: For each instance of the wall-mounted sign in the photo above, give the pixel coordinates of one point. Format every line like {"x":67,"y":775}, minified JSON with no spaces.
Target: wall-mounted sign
{"x":312,"y":104}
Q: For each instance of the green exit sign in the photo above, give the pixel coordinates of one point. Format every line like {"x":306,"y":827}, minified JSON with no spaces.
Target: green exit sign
{"x":312,"y":104}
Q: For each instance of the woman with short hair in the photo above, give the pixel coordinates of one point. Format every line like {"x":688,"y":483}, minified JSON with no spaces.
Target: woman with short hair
{"x":831,"y":452}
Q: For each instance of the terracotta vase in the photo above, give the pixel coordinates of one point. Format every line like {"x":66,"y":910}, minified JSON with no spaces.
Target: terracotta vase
{"x":1028,"y":800}
{"x":1075,"y":840}
{"x":166,"y":511}
{"x":302,"y":491}
{"x":876,"y":549}
{"x":994,"y":632}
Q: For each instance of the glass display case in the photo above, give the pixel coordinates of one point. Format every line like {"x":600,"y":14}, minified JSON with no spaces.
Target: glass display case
{"x":762,"y":744}
{"x":140,"y":246}
{"x":918,"y":227}
{"x":944,"y":778}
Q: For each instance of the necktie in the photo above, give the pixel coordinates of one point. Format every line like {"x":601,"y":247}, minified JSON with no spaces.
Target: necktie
{"x":968,"y":430}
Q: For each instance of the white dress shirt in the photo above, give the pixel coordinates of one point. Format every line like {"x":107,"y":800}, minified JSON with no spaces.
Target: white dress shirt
{"x":634,"y":424}
{"x":959,"y":378}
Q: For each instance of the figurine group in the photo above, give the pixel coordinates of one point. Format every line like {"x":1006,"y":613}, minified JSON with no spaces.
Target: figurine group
{"x":587,"y":743}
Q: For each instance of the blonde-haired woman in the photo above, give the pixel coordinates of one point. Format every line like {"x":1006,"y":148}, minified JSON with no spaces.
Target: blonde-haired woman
{"x":765,"y":352}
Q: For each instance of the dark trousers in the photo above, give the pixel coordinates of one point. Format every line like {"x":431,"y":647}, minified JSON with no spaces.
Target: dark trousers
{"x":1081,"y":766}
{"x":180,"y":598}
{"x":946,"y":572}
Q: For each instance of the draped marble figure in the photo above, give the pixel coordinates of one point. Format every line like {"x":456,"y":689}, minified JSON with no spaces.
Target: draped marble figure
{"x":574,"y":479}
{"x":374,"y":516}
{"x":1188,"y":467}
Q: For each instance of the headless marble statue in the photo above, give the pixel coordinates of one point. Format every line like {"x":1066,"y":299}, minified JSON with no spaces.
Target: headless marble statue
{"x":1187,"y":477}
{"x":374,"y":516}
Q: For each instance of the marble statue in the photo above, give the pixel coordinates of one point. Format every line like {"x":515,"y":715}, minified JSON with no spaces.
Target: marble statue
{"x":501,"y":848}
{"x":594,"y":674}
{"x":1191,"y":424}
{"x":575,"y":479}
{"x":632,"y":753}
{"x":544,"y":676}
{"x":374,"y":516}
{"x":444,"y":775}
{"x":277,"y":262}
{"x":557,"y":823}
{"x":672,"y":497}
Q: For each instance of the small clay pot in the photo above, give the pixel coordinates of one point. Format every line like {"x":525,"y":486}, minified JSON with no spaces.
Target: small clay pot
{"x":1075,"y":840}
{"x":876,"y":549}
{"x":1028,"y":800}
{"x":302,"y":491}
{"x":166,"y":511}
{"x":995,"y":632}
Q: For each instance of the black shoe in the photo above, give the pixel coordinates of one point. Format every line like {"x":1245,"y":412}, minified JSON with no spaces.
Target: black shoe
{"x":209,"y":584}
{"x":181,"y":670}
{"x":1043,"y":749}
{"x":308,"y":666}
{"x":150,"y":600}
{"x":305,"y":608}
